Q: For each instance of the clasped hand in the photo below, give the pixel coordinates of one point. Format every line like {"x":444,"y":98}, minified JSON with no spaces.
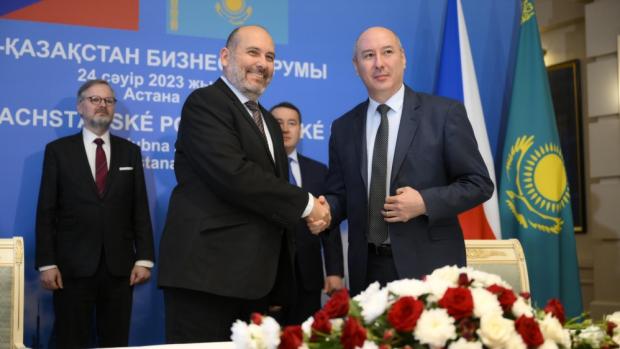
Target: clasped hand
{"x":319,"y":218}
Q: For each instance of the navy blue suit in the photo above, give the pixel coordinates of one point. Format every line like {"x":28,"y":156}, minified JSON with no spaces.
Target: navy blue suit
{"x":308,"y":261}
{"x":436,"y":153}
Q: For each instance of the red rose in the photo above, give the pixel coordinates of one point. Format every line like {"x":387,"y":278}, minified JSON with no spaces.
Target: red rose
{"x":463,"y":280}
{"x":528,"y":328}
{"x":291,"y":338}
{"x":467,"y":328}
{"x":458,"y":302}
{"x":505,"y":296}
{"x":555,"y":308}
{"x":610,"y":328}
{"x":321,"y":324}
{"x":338,"y":304}
{"x":257,"y":318}
{"x":404,"y":313}
{"x":353,"y":334}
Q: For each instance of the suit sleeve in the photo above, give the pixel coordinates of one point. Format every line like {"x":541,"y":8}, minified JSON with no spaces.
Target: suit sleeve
{"x":141,"y":216}
{"x":210,"y":135}
{"x":332,"y":243}
{"x":470,"y":184}
{"x":335,"y":191}
{"x":45,"y":227}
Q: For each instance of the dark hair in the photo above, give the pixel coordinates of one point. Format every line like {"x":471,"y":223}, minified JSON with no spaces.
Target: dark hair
{"x":89,"y":83}
{"x":288,"y":105}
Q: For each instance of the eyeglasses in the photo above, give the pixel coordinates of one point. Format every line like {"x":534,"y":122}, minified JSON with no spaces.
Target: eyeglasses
{"x":96,"y":100}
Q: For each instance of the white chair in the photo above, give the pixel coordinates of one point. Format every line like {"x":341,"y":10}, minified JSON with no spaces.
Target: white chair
{"x":12,"y":293}
{"x":502,"y":257}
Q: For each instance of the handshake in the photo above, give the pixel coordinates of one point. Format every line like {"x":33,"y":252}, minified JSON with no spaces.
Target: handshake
{"x":319,"y":218}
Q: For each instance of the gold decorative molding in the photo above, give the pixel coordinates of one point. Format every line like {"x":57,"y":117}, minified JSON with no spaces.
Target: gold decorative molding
{"x":483,"y":253}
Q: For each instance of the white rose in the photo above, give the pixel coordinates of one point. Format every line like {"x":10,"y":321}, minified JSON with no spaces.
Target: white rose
{"x":615,"y":318}
{"x":449,"y":273}
{"x":369,"y":345}
{"x":552,"y":329}
{"x":483,"y":279}
{"x":241,"y":335}
{"x":485,"y":302}
{"x":592,"y":335}
{"x":548,"y":344}
{"x":515,"y":342}
{"x":337,"y":324}
{"x":495,"y":331}
{"x":373,"y":301}
{"x":306,"y":326}
{"x":462,"y":343}
{"x":616,"y":335}
{"x":271,"y":332}
{"x":408,"y":287}
{"x":435,"y":327}
{"x":257,"y":337}
{"x":520,"y":307}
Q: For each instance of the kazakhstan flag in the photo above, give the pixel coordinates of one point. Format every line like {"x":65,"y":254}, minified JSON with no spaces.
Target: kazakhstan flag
{"x":534,"y":197}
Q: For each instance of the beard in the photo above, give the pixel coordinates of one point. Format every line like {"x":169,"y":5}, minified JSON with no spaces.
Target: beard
{"x":237,"y":78}
{"x":101,"y":121}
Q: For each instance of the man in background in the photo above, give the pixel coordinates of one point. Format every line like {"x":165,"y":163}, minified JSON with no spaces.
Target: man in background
{"x":402,"y":166}
{"x":94,"y":239}
{"x":310,"y":175}
{"x":227,"y":246}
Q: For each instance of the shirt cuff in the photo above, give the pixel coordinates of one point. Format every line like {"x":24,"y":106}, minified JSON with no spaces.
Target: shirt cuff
{"x":48,"y":267}
{"x":309,"y":206}
{"x":144,"y":263}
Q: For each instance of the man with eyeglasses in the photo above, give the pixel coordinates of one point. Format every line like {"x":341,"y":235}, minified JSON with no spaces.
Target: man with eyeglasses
{"x":94,"y":239}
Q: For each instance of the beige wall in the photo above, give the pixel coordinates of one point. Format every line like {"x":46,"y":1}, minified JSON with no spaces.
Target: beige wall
{"x":588,"y":31}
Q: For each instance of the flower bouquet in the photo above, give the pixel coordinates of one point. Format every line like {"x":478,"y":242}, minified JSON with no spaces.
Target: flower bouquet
{"x":454,"y":308}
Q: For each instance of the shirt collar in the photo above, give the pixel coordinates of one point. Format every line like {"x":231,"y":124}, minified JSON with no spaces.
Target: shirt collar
{"x":395,"y":102}
{"x":242,"y":98}
{"x":89,"y":136}
{"x":293,"y":156}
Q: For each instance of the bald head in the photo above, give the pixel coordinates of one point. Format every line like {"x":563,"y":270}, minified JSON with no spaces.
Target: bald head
{"x":248,"y":60}
{"x":380,"y":61}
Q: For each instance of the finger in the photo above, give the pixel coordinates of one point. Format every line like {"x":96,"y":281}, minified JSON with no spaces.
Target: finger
{"x":322,"y":199}
{"x":394,"y":219}
{"x":402,"y":190}
{"x":58,"y":282}
{"x":132,"y":278}
{"x":391,"y":199}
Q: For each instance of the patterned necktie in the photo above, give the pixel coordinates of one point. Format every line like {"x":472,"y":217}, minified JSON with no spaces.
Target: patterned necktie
{"x":377,"y":226}
{"x":256,"y":115}
{"x":101,"y":167}
{"x":291,"y":177}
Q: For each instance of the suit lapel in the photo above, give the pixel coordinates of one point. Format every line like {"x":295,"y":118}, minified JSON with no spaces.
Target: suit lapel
{"x":82,"y":162}
{"x":408,"y":125}
{"x":246,"y":117}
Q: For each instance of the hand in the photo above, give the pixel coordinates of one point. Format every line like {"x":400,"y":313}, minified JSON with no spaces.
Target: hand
{"x":319,"y":218}
{"x":332,"y":283}
{"x":405,"y":205}
{"x":51,"y":279}
{"x":139,"y":274}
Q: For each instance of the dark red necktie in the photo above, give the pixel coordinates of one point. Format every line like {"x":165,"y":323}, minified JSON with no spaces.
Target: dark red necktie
{"x":101,"y":167}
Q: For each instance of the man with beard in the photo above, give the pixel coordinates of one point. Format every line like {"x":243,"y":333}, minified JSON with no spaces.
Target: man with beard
{"x":94,"y":239}
{"x":226,"y":249}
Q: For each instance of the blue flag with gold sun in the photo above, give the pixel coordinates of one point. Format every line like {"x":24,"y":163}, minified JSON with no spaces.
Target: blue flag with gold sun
{"x":534,"y":195}
{"x":217,"y":18}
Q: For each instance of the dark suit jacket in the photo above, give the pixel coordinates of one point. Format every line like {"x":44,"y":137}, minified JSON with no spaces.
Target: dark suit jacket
{"x":74,"y":225}
{"x":308,"y":246}
{"x":232,"y":206}
{"x":436,"y":153}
